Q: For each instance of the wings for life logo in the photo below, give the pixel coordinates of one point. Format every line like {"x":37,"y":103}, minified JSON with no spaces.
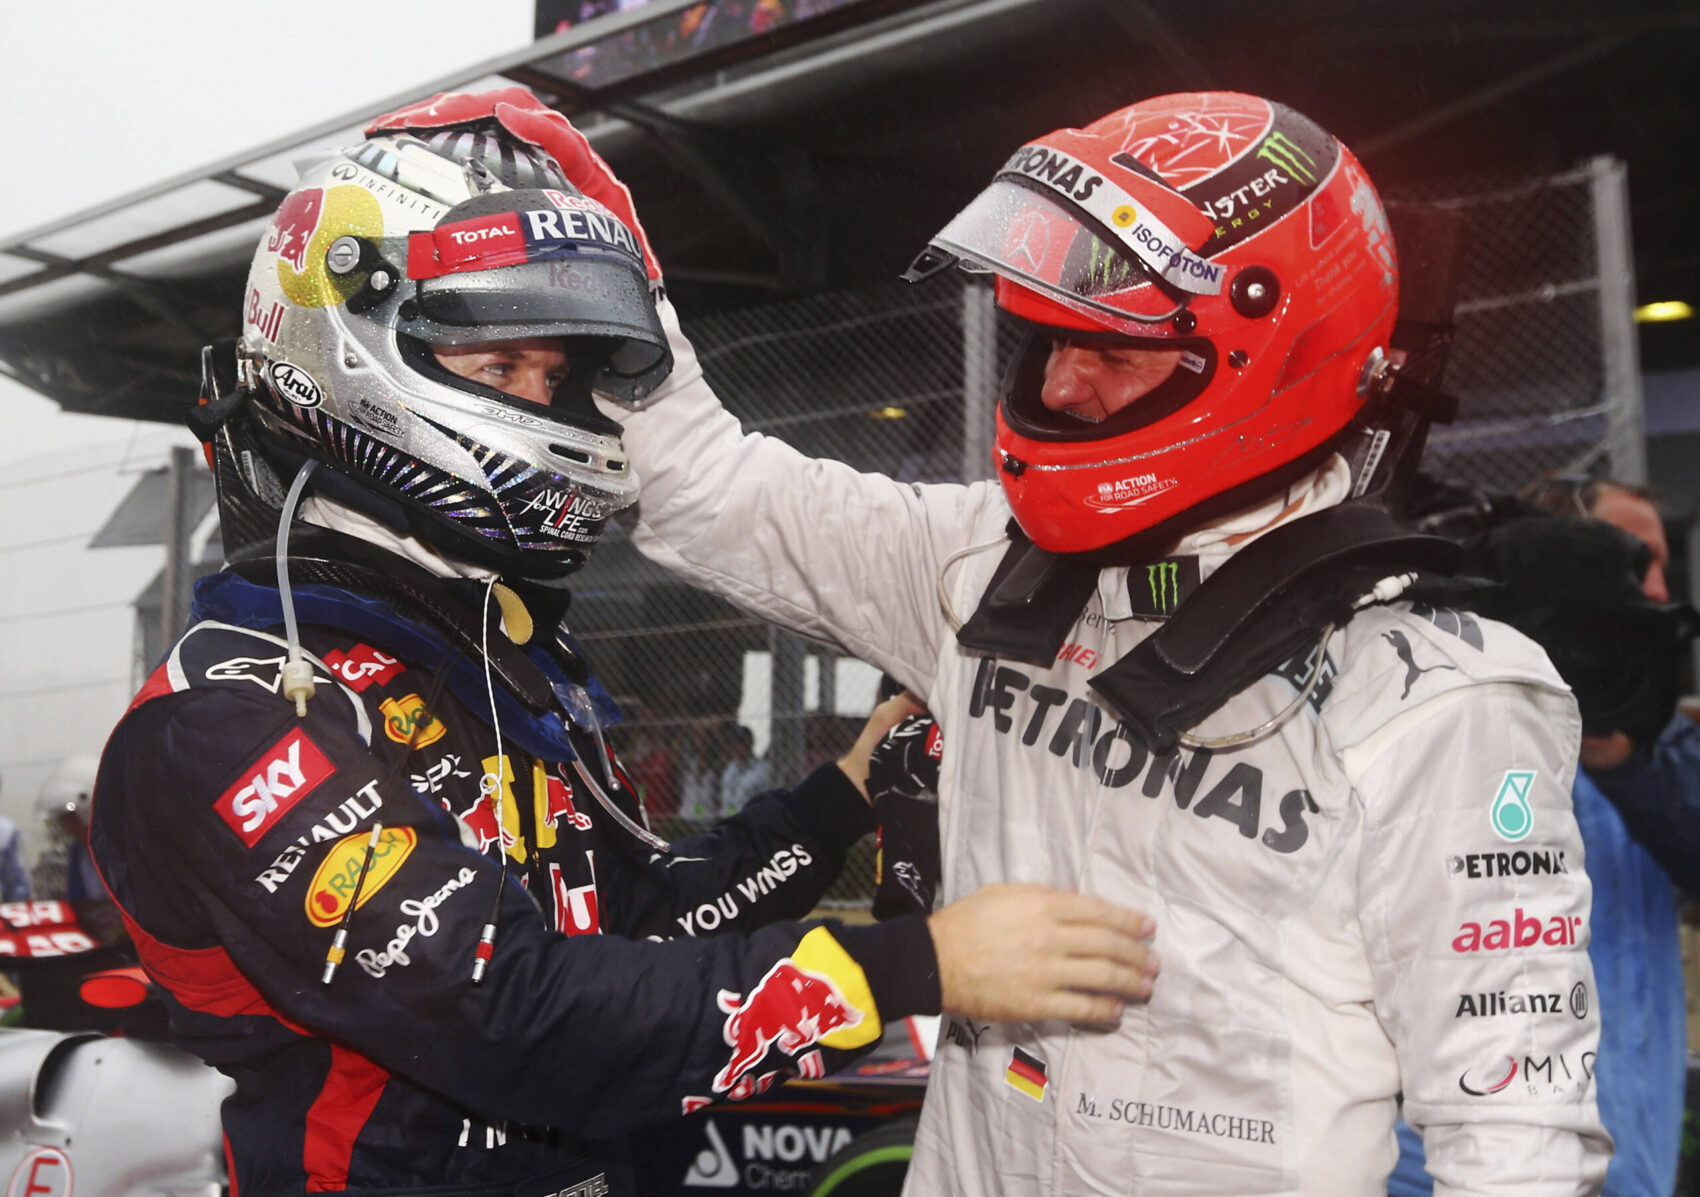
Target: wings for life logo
{"x":1512,"y":816}
{"x":269,"y":788}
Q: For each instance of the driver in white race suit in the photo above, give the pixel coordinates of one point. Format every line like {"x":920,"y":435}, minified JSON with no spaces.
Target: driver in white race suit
{"x":1358,"y":845}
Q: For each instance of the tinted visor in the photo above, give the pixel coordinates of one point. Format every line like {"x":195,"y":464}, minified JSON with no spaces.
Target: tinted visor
{"x":1037,"y":239}
{"x":577,"y":297}
{"x":514,"y":264}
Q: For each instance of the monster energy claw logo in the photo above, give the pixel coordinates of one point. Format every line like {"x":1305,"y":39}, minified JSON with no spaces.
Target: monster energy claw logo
{"x":1165,"y":581}
{"x":1286,"y":153}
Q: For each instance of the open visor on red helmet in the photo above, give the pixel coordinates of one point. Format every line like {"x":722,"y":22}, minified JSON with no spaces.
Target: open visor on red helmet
{"x":538,"y":263}
{"x":1110,"y":256}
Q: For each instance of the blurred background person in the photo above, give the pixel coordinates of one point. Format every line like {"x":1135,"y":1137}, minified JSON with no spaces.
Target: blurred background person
{"x":14,"y":878}
{"x":745,"y":774}
{"x":66,"y":870}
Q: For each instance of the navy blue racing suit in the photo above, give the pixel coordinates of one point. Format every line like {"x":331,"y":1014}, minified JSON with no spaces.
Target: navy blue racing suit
{"x":238,"y":839}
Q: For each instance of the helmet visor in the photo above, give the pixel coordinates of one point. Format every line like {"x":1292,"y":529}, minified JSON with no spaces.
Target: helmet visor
{"x":509,"y":265}
{"x":584,"y":296}
{"x":1133,"y":276}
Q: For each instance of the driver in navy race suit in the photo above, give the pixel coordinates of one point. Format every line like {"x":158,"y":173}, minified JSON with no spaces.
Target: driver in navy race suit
{"x":363,"y":822}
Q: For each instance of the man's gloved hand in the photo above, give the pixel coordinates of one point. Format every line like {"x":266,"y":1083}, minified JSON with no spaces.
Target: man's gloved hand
{"x":528,"y":118}
{"x":857,"y":762}
{"x":903,"y":785}
{"x":1026,"y":953}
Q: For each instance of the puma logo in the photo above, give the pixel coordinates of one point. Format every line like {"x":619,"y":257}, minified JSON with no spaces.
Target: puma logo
{"x":1413,"y":671}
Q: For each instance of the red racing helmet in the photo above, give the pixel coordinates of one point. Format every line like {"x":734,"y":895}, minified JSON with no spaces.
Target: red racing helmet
{"x":1223,"y":225}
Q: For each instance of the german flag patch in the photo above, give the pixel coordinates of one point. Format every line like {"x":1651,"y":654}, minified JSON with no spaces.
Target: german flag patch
{"x":1026,"y":1073}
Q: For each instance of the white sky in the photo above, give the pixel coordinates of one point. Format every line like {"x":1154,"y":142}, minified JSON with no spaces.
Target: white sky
{"x":104,"y":97}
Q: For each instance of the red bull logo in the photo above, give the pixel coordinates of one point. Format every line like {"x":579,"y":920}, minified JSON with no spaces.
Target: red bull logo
{"x":293,"y":226}
{"x":790,"y":1008}
{"x":480,"y":819}
{"x":558,"y":805}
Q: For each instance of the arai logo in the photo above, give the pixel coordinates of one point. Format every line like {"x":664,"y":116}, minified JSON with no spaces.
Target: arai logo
{"x":294,"y":384}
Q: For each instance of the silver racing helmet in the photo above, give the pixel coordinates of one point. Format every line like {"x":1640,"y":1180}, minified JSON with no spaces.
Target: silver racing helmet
{"x":400,"y":245}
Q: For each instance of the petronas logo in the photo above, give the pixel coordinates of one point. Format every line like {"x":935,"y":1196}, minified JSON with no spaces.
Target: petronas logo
{"x":1513,"y":817}
{"x":1165,"y":580}
{"x":1284,"y":152}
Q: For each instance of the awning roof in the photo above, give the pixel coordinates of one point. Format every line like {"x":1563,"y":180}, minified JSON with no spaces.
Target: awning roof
{"x":824,"y":152}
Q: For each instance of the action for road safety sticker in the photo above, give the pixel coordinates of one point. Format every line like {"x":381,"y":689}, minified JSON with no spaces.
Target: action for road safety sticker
{"x":1026,"y":1073}
{"x":333,"y":885}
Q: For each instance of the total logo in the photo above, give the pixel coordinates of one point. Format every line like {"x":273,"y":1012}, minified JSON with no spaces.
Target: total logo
{"x":1519,"y":931}
{"x":1556,"y":1073}
{"x":764,"y":1146}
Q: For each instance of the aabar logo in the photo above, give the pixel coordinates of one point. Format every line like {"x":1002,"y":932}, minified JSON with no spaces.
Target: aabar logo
{"x":272,"y":785}
{"x":333,"y":885}
{"x":1519,"y":931}
{"x":406,"y":721}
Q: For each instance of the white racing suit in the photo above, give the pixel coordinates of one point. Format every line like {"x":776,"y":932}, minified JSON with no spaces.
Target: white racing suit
{"x":1387,"y":895}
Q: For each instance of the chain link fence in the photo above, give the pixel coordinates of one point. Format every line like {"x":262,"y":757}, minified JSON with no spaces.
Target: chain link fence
{"x":1543,"y":359}
{"x":900,"y":380}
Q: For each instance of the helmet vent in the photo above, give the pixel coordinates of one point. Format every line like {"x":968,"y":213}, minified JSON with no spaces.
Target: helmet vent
{"x":571,"y":454}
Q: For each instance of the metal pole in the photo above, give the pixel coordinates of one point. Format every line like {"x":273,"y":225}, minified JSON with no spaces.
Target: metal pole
{"x":786,"y":748}
{"x":174,"y":596}
{"x":979,"y":379}
{"x":1620,"y":353}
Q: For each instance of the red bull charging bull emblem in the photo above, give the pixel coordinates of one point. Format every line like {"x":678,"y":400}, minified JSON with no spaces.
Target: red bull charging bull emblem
{"x":790,"y":1007}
